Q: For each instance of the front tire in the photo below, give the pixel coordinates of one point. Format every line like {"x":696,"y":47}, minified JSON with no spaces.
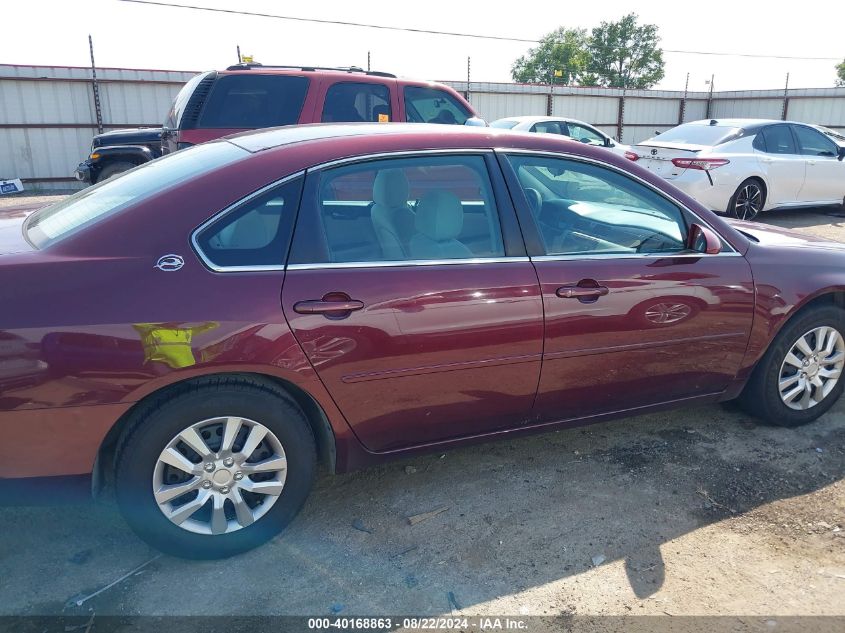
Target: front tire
{"x":800,"y":376}
{"x":113,"y":169}
{"x":215,"y":469}
{"x":748,"y":200}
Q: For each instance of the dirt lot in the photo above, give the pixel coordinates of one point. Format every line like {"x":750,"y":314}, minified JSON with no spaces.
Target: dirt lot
{"x":696,"y":512}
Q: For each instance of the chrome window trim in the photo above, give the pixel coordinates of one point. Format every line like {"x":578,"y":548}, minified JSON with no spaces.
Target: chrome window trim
{"x":402,"y":153}
{"x":410,"y":262}
{"x":679,"y":255}
{"x":221,"y":214}
{"x":593,"y":161}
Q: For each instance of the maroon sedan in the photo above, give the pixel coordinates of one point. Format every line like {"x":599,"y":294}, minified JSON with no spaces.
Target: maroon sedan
{"x":197,"y":334}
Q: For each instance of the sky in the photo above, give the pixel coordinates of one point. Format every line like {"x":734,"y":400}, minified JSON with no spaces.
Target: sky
{"x":55,"y":32}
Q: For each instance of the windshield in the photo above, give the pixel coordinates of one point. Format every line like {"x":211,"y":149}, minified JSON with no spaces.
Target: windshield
{"x":58,"y":221}
{"x":505,"y":124}
{"x":697,"y":134}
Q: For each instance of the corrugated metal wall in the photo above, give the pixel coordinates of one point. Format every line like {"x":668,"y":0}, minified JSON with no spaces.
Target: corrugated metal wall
{"x":47,"y":115}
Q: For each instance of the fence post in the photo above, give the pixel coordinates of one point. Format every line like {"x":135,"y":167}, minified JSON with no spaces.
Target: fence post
{"x":466,"y":94}
{"x":785,"y":99}
{"x":620,"y":120}
{"x":682,"y":109}
{"x":710,"y":98}
{"x":96,"y":88}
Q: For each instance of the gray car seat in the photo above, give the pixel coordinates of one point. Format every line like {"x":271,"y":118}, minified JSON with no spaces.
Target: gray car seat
{"x":393,"y":220}
{"x":439,"y":221}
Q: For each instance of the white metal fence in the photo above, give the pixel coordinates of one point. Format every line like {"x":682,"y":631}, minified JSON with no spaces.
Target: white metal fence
{"x":47,"y":113}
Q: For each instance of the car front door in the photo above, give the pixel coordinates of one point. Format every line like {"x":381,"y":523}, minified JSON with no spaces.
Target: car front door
{"x":633,"y":317}
{"x":410,"y":291}
{"x":780,"y":161}
{"x":825,"y":179}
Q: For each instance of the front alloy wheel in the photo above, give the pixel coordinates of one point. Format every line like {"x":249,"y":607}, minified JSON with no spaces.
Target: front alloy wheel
{"x":811,"y":368}
{"x":799,"y":377}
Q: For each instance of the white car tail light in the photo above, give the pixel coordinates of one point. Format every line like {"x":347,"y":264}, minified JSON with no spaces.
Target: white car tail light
{"x":704,"y":164}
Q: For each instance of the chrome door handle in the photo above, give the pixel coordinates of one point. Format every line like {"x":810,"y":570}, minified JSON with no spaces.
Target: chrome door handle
{"x":332,"y":305}
{"x":581,"y":292}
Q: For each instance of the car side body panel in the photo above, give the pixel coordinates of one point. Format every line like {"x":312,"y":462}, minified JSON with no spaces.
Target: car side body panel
{"x":93,"y":326}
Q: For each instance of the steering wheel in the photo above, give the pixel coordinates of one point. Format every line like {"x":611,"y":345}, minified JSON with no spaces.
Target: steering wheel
{"x":535,"y":200}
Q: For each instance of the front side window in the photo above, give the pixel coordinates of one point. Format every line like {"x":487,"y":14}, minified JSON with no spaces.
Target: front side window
{"x":254,"y":101}
{"x":255,"y":234}
{"x":581,"y":209}
{"x":348,"y":101}
{"x":585,"y":135}
{"x":813,"y":143}
{"x":421,"y":208}
{"x":778,"y":140}
{"x":111,"y":196}
{"x":432,"y":105}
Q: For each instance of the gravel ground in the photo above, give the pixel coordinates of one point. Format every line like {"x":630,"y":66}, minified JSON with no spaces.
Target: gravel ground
{"x":693,"y":512}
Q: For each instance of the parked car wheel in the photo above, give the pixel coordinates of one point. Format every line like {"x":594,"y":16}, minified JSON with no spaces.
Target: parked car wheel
{"x":800,"y":377}
{"x":748,"y":200}
{"x":113,"y":169}
{"x":216,"y":469}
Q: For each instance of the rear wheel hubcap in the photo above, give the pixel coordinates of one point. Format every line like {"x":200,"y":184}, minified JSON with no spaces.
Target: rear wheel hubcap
{"x":219,"y":475}
{"x":811,"y":368}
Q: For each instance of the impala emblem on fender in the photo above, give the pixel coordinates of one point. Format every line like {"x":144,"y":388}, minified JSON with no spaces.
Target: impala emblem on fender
{"x":169,"y":263}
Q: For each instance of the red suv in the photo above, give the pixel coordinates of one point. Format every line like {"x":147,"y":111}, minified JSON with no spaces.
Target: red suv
{"x":249,"y":96}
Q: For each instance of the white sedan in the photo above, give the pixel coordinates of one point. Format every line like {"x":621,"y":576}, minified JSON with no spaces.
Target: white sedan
{"x":564,"y":126}
{"x":745,"y":166}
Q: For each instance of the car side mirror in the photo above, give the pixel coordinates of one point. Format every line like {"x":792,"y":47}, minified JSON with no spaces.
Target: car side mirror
{"x":841,"y":153}
{"x":608,"y":142}
{"x":475,"y":121}
{"x":703,"y":240}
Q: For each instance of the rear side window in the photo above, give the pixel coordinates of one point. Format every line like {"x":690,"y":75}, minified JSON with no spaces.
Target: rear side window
{"x":254,"y":101}
{"x":550,"y":127}
{"x":813,"y":143}
{"x":422,"y":208}
{"x":779,"y":140}
{"x":255,"y":234}
{"x":111,"y":196}
{"x":431,"y":105}
{"x":357,"y":102}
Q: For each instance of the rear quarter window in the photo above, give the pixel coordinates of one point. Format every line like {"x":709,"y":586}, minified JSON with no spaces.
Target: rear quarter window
{"x":254,"y":101}
{"x":61,"y":220}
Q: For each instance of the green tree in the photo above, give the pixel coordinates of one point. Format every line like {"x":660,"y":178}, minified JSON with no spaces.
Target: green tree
{"x":840,"y":74}
{"x":563,"y":50}
{"x":625,"y":54}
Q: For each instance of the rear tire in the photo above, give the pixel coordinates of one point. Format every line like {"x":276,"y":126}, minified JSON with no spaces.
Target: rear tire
{"x":748,"y":200}
{"x":113,"y":169}
{"x":235,"y":499}
{"x":788,"y":387}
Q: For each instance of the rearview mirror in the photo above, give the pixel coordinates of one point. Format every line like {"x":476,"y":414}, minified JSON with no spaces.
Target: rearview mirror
{"x":475,"y":121}
{"x":703,"y":240}
{"x":841,"y":153}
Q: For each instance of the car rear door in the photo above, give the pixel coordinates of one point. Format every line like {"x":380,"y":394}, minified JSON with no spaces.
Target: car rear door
{"x":633,"y":317}
{"x":435,"y":335}
{"x":781,"y":163}
{"x":825,"y":173}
